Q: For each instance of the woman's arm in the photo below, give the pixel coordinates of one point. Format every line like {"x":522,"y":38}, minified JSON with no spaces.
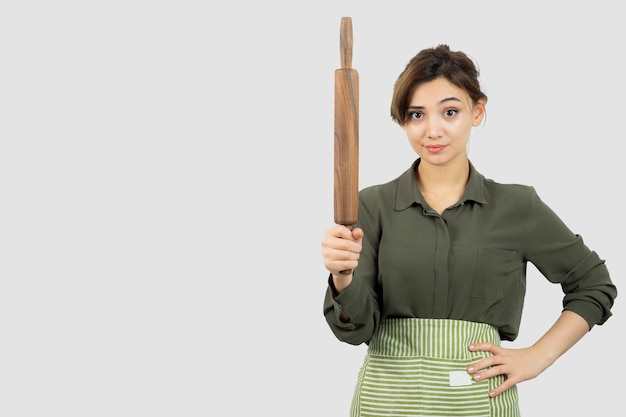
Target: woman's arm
{"x":523,"y":364}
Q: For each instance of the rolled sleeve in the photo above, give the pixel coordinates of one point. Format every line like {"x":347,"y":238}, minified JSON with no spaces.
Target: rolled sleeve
{"x":356,"y":302}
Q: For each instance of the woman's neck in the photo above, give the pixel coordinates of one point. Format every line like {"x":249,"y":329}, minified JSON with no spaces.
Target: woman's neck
{"x":442,"y":179}
{"x":442,"y":187}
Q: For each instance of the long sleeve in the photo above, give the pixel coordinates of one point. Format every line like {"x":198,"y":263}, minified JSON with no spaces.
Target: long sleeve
{"x":562,"y":257}
{"x":359,"y":300}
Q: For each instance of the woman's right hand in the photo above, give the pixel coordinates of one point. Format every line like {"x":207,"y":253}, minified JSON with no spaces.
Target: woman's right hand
{"x":341,"y":249}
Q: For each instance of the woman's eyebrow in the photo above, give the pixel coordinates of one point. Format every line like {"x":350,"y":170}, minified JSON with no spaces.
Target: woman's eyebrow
{"x":450,"y":99}
{"x":445,"y":100}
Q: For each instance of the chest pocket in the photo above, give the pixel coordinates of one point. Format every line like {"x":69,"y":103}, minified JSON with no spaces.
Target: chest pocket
{"x":495,"y":272}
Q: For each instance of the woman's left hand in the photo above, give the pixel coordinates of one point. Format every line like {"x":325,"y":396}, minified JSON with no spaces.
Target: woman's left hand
{"x":517,"y":365}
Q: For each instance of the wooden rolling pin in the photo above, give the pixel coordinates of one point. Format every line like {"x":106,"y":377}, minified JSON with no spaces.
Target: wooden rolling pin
{"x":346,"y":133}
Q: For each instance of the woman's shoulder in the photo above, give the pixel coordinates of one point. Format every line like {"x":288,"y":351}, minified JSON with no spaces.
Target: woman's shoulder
{"x":404,"y":181}
{"x":508,"y":191}
{"x":479,"y":180}
{"x":509,"y":187}
{"x":376,"y":191}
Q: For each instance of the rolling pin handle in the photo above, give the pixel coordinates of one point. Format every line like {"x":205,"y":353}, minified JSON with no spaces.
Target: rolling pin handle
{"x":346,"y":271}
{"x":345,"y":42}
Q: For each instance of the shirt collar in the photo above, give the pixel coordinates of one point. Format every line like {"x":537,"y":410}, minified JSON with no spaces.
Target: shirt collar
{"x":409,"y":193}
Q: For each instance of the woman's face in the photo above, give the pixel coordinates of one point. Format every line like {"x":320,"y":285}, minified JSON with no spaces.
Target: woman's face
{"x":440,"y":117}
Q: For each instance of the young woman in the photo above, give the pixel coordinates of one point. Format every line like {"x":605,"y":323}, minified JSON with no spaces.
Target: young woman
{"x":438,"y":260}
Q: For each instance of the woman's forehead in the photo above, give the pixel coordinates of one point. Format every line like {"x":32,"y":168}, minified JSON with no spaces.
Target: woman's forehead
{"x":437,"y":92}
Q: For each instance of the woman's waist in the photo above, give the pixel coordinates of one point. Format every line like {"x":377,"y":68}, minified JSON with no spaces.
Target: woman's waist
{"x":438,"y":338}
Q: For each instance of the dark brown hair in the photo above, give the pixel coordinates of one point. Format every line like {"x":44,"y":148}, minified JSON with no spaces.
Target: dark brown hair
{"x":430,"y":64}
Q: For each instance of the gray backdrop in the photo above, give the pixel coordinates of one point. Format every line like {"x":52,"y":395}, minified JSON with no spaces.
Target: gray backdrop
{"x":166,"y":179}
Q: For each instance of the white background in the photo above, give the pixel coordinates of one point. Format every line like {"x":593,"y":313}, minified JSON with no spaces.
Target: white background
{"x":166,"y":179}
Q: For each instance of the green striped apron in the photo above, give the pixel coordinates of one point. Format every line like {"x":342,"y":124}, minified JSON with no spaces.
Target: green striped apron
{"x":416,"y":367}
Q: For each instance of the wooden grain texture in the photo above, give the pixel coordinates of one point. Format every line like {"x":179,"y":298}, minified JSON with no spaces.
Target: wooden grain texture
{"x":346,"y":132}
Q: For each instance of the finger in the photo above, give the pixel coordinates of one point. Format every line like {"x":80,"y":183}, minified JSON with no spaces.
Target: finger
{"x":338,"y":254}
{"x":339,"y":260}
{"x":482,"y":372}
{"x":340,"y":237}
{"x":484,"y":347}
{"x":343,"y":232}
{"x":485,"y":362}
{"x":333,"y":246}
{"x":479,"y":367}
{"x":357,"y":234}
{"x":342,"y":269}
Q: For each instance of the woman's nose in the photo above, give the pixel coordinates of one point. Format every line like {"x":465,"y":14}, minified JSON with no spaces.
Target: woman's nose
{"x":434,"y":129}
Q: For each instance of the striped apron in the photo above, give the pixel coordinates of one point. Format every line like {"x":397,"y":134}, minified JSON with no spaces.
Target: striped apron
{"x":416,"y":367}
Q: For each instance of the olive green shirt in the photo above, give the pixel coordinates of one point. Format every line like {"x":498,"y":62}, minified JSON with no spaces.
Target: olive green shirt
{"x":469,"y":263}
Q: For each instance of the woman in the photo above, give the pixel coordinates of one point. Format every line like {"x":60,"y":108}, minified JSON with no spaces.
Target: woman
{"x":436,"y":265}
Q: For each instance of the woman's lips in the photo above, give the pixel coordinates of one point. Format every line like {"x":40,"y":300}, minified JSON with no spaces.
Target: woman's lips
{"x":435,"y":148}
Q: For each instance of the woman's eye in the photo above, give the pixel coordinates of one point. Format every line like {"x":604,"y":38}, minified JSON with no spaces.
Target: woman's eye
{"x":451,"y":112}
{"x":415,"y":115}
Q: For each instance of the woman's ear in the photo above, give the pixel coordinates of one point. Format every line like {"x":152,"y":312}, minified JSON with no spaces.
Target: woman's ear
{"x":479,"y":111}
